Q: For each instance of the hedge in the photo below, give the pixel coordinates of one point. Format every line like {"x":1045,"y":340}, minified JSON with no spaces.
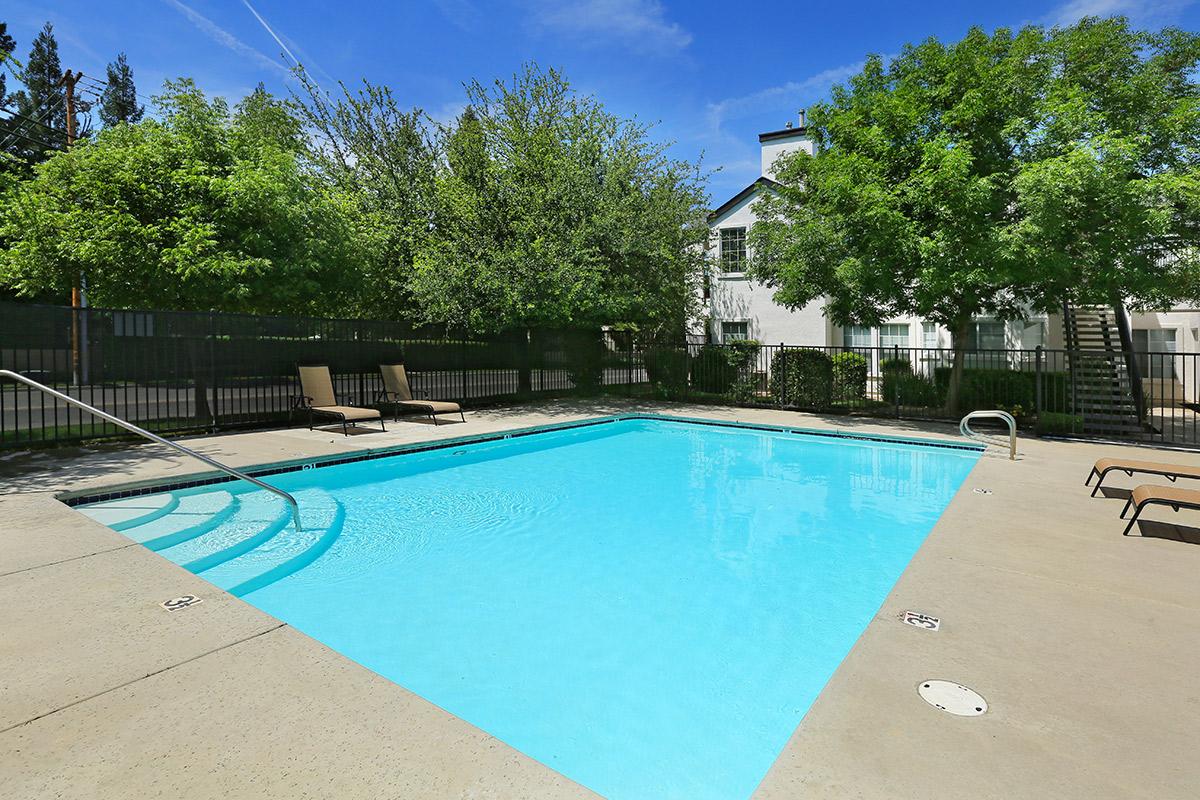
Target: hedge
{"x":725,"y":368}
{"x":802,"y":378}
{"x":850,"y":376}
{"x":1007,"y":389}
{"x":667,"y":369}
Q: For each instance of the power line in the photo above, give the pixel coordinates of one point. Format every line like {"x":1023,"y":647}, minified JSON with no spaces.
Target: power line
{"x":19,"y":115}
{"x":47,"y":107}
{"x":38,"y":142}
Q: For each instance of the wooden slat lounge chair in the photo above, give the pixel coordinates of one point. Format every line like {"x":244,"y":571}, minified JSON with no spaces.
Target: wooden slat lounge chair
{"x":318,"y":397}
{"x":1147,"y":495}
{"x":397,"y":392}
{"x":1171,"y":472}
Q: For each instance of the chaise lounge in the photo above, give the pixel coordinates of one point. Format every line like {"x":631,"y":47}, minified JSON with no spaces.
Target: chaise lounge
{"x":1171,"y":472}
{"x":397,"y":392}
{"x":318,"y":397}
{"x":1147,"y":495}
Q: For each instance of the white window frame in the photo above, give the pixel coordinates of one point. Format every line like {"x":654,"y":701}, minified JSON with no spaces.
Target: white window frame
{"x":745,"y":252}
{"x":726,"y":337}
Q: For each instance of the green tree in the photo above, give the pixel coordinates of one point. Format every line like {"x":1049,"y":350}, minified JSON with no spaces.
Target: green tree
{"x":7,"y":45}
{"x":941,"y":179}
{"x":119,"y":103}
{"x":43,"y":99}
{"x":553,"y":212}
{"x":382,"y":161}
{"x":1109,"y":191}
{"x":205,"y":209}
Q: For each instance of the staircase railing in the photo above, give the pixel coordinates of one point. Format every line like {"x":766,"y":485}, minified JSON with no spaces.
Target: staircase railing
{"x":129,"y":426}
{"x":964,"y":427}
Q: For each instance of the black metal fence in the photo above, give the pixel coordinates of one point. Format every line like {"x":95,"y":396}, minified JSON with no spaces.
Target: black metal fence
{"x":177,"y":372}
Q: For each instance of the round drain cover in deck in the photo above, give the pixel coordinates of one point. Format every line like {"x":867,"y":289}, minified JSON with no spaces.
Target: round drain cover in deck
{"x":953,"y":698}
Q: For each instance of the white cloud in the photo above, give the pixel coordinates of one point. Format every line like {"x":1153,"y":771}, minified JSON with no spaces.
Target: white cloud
{"x":773,"y":97}
{"x":638,"y":24}
{"x":463,"y":14}
{"x":227,"y":39}
{"x":1140,"y":11}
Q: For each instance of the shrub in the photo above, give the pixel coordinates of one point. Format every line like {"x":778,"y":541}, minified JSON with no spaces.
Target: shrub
{"x":901,"y":386}
{"x":712,"y":370}
{"x":718,"y":367}
{"x":667,"y":368}
{"x":850,"y":376}
{"x":1007,"y":389}
{"x":802,"y":378}
{"x":585,"y":355}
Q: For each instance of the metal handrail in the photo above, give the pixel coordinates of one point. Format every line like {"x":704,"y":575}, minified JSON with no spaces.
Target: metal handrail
{"x":129,"y":426}
{"x":964,"y":428}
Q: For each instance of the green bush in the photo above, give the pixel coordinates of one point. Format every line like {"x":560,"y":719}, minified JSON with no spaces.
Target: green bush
{"x":802,"y":378}
{"x":585,"y":355}
{"x":667,"y":368}
{"x":850,"y":376}
{"x":901,"y":386}
{"x":712,"y":370}
{"x":718,"y":368}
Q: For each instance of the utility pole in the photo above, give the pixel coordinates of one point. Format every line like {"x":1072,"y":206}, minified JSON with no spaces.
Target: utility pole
{"x":69,"y":79}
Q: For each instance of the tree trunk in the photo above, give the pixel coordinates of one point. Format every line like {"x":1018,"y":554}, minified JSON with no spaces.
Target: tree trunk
{"x":958,"y":340}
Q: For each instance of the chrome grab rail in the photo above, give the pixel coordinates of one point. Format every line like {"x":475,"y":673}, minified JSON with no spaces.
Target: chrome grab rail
{"x":964,"y":428}
{"x":129,"y":426}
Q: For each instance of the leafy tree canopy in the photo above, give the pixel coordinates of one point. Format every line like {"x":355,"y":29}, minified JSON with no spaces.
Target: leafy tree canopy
{"x":993,"y":174}
{"x":553,"y":212}
{"x":204,"y":208}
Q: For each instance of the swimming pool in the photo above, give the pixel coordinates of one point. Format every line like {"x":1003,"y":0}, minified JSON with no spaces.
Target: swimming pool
{"x":648,"y":606}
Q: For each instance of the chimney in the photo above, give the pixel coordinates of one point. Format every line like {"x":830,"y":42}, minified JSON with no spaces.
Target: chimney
{"x":802,"y":115}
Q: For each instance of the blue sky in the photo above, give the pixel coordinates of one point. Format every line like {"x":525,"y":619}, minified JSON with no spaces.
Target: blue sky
{"x":713,"y":75}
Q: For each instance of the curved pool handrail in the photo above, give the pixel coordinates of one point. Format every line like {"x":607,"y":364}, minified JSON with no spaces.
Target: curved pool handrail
{"x":129,"y":426}
{"x":964,"y":427}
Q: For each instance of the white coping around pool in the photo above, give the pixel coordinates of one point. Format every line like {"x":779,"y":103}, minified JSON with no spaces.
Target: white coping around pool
{"x":1081,"y":641}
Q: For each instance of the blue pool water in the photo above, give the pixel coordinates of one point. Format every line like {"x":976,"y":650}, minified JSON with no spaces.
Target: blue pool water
{"x":647,"y":606}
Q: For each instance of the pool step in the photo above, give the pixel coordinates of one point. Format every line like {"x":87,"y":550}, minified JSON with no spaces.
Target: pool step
{"x":287,"y":551}
{"x":191,"y":516}
{"x":259,"y":515}
{"x":129,"y":512}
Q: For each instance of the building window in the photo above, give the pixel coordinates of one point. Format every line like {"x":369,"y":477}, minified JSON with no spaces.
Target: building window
{"x":735,"y":331}
{"x":132,"y":323}
{"x":1150,"y":345}
{"x":1034,"y":335}
{"x":733,"y":249}
{"x":893,"y":336}
{"x":986,"y":334}
{"x":929,"y":335}
{"x":856,"y":336}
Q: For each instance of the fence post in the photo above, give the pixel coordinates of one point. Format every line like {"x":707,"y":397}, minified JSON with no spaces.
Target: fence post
{"x":212,"y":369}
{"x":629,"y":365}
{"x":899,"y":384}
{"x":462,"y":365}
{"x":782,"y":383}
{"x":1037,"y":396}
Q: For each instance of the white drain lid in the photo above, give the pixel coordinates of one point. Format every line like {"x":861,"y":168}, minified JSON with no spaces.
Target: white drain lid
{"x":953,"y":698}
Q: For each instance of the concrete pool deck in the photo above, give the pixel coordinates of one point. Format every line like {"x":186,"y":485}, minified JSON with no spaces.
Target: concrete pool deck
{"x":1081,"y":640}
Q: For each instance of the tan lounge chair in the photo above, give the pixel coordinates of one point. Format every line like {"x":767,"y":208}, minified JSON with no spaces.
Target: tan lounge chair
{"x":1171,"y":472}
{"x":397,"y":392}
{"x":317,"y":396}
{"x":1147,"y":495}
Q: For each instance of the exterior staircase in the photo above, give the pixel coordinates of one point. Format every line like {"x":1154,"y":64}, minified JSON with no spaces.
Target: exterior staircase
{"x":1102,"y":391}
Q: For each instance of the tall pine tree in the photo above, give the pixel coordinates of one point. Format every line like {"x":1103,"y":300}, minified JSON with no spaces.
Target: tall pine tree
{"x":43,"y":99}
{"x":120,"y":101}
{"x":7,"y":45}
